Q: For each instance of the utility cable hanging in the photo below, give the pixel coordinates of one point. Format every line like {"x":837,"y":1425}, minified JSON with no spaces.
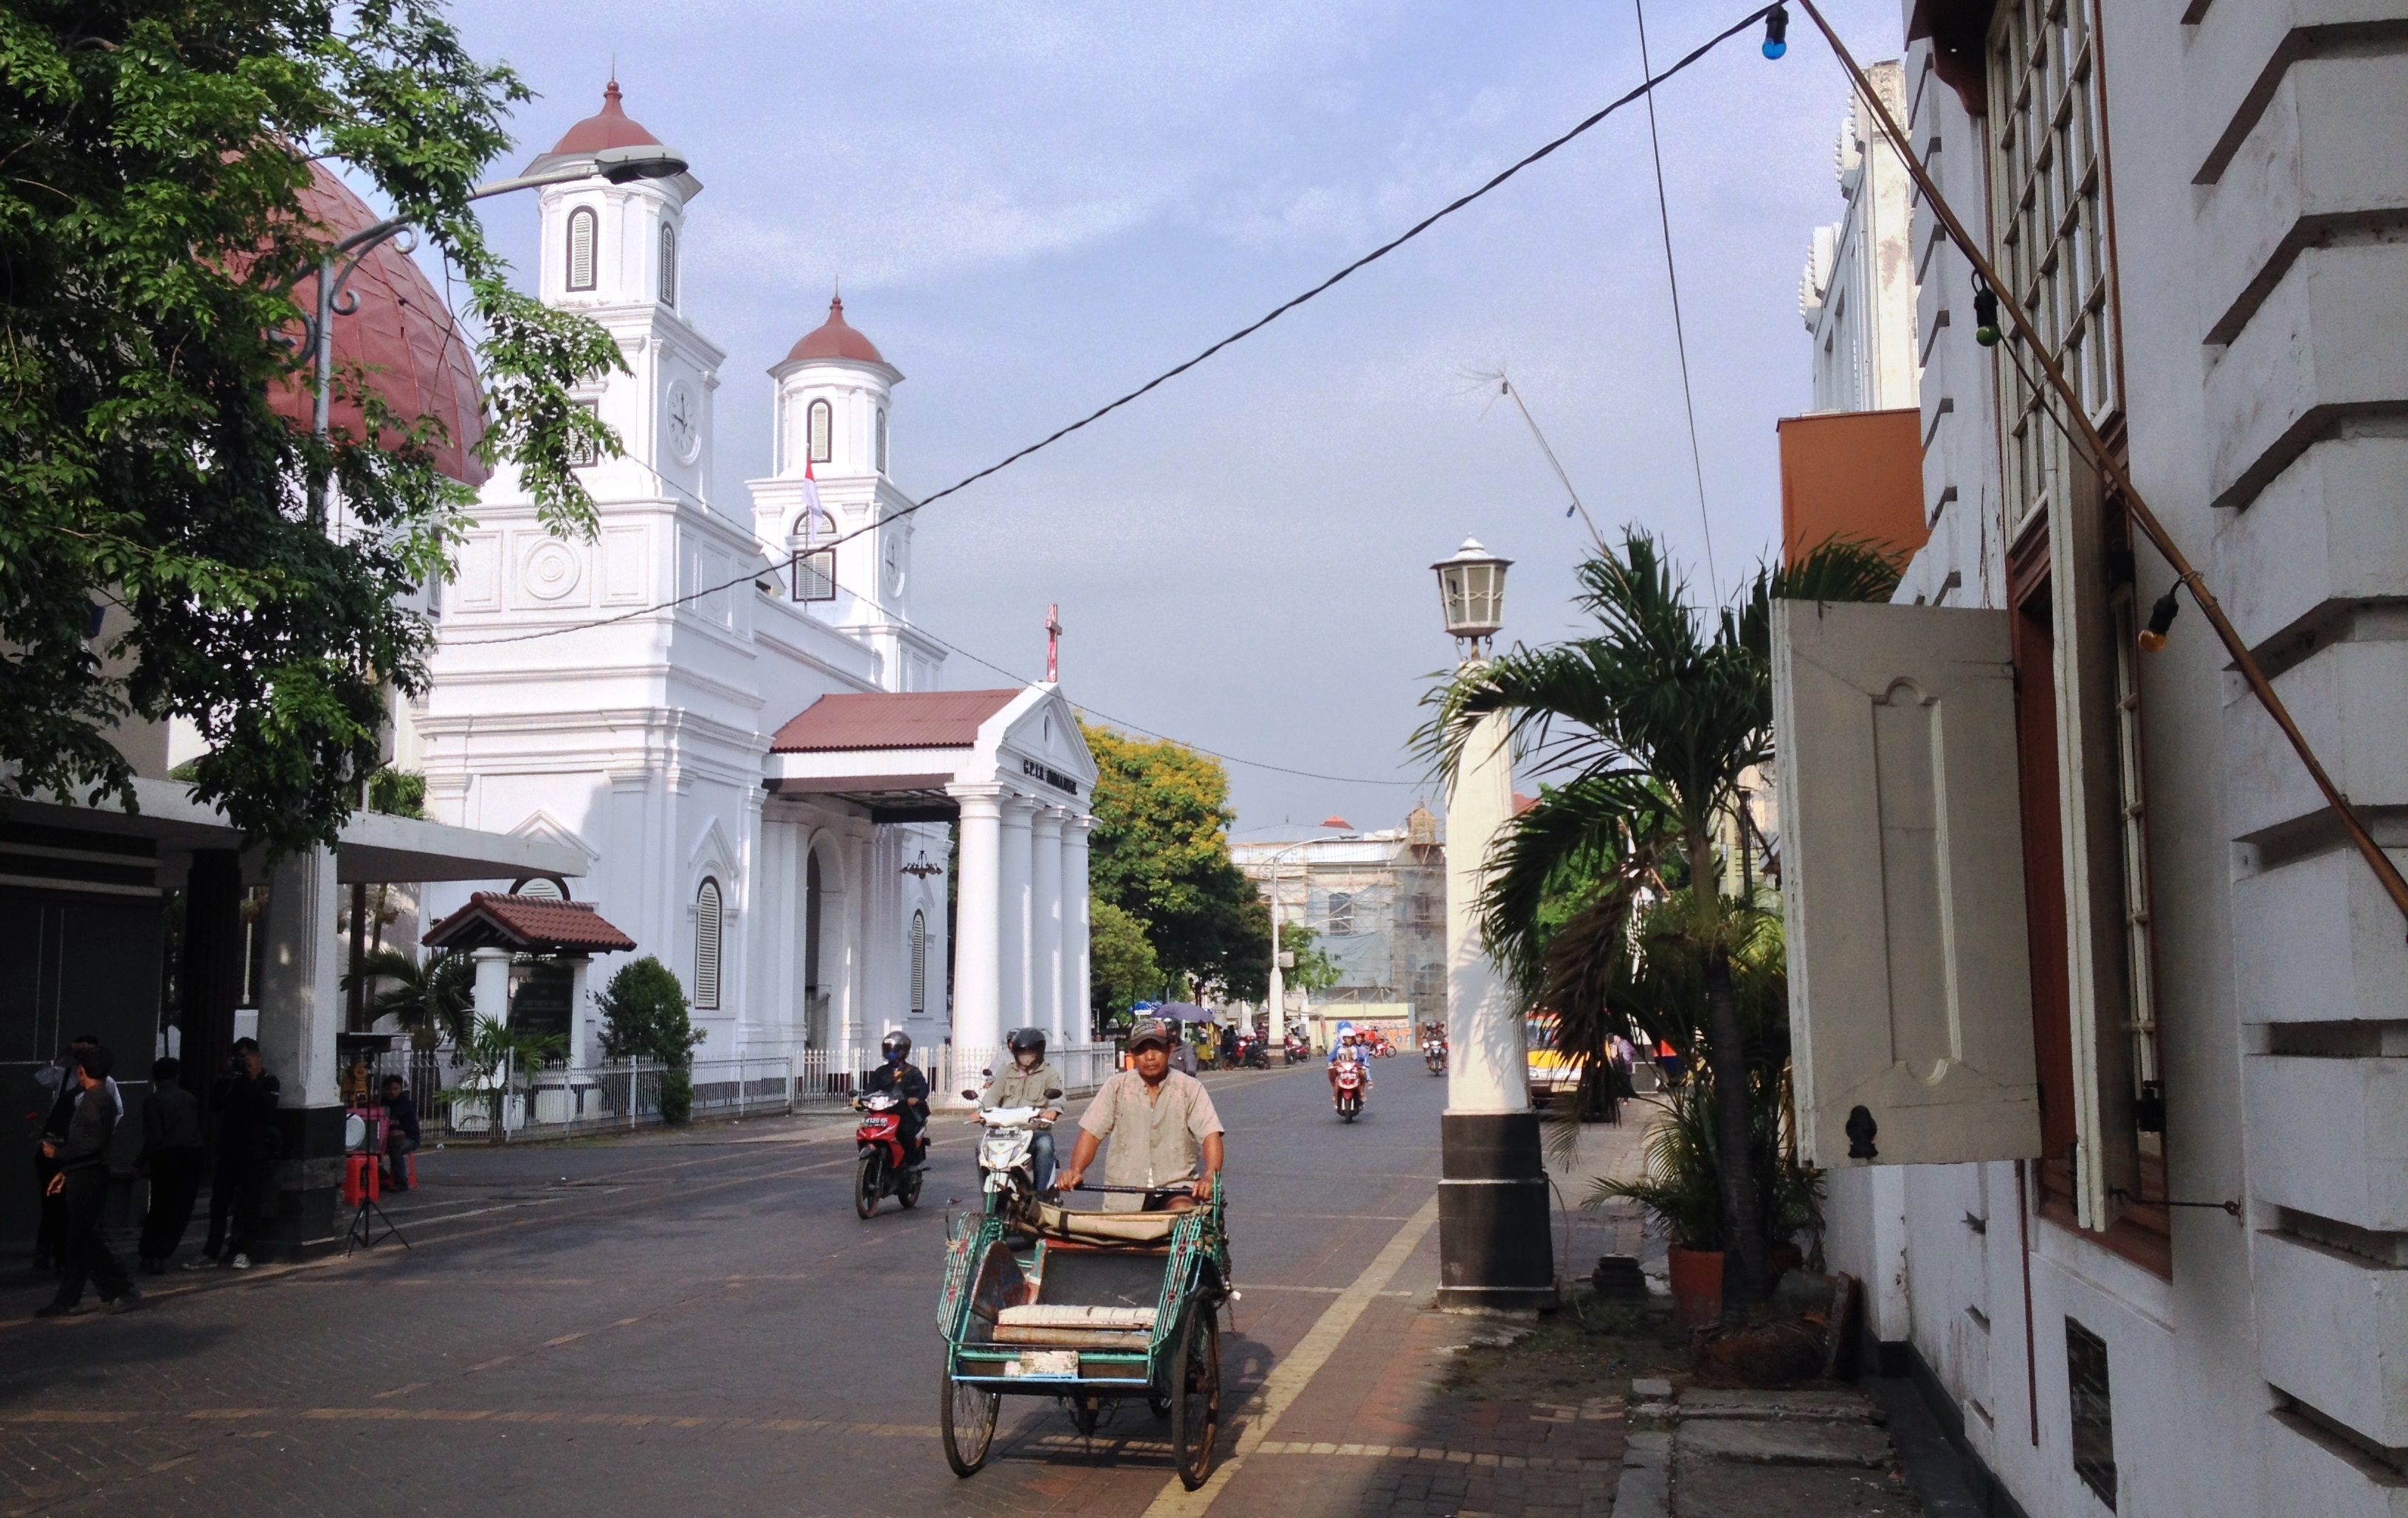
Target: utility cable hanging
{"x":2394,"y":884}
{"x":1645,"y":87}
{"x":1672,"y":278}
{"x":1505,"y":386}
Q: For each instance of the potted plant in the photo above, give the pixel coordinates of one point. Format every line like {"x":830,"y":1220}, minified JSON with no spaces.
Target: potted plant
{"x":494,"y":1060}
{"x":1680,"y":1188}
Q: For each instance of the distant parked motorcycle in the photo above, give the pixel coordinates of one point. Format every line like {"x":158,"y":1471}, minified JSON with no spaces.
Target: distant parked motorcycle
{"x":884,"y":1168}
{"x":1254,"y":1054}
{"x":1297,"y":1050}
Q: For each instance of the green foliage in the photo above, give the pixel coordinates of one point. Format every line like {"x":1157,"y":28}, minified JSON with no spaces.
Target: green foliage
{"x":158,"y":272}
{"x":1121,"y":964}
{"x":496,"y":1058}
{"x":1682,"y":1183}
{"x":1308,"y":968}
{"x":397,"y":793}
{"x":1160,"y":852}
{"x":677,"y":1095}
{"x":431,"y":1000}
{"x":644,"y":1016}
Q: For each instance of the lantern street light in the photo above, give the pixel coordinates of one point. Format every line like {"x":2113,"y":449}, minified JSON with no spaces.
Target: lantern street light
{"x":1472,"y":592}
{"x":1495,"y":1250}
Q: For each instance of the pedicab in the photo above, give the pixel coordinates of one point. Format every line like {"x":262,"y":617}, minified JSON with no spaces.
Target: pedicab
{"x":1093,"y":1309}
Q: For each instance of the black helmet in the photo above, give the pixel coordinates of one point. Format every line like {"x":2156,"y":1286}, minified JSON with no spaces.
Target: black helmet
{"x":896,"y":1043}
{"x":1023,"y":1040}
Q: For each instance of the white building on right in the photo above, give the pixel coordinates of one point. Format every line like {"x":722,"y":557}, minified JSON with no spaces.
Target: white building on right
{"x":2078,"y":952}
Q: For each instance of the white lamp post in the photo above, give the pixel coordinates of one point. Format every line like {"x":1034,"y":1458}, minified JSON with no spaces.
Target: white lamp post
{"x":1495,"y":1248}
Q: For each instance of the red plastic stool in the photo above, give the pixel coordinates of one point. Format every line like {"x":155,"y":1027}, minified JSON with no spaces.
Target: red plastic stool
{"x":360,"y":1179}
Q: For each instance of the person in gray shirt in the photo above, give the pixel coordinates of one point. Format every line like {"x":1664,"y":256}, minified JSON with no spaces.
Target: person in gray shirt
{"x":83,"y":1155}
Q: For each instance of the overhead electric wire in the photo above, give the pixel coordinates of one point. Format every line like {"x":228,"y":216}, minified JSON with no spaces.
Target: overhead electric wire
{"x":1672,"y":278}
{"x":1645,"y":87}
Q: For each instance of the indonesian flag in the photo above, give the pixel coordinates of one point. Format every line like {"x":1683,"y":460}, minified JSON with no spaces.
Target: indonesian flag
{"x":813,"y":515}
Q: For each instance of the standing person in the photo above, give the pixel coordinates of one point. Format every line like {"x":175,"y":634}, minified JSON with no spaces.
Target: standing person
{"x":82,"y":1153}
{"x":59,"y":1083}
{"x":1161,"y":1123}
{"x":171,"y":1156}
{"x":245,"y":1099}
{"x":400,"y":1131}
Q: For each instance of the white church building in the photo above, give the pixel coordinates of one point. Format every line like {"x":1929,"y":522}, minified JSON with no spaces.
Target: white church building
{"x":738,"y":729}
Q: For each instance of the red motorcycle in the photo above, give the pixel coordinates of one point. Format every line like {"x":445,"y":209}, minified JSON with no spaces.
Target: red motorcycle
{"x":883,"y":1169}
{"x":1347,"y":1084}
{"x":1297,"y":1050}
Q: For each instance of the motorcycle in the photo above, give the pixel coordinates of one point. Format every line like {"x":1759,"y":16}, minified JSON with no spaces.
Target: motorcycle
{"x":1348,"y":1085}
{"x":1297,"y":1050}
{"x":883,"y":1169}
{"x":1435,"y":1057}
{"x":1007,"y":1157}
{"x":1254,"y":1054}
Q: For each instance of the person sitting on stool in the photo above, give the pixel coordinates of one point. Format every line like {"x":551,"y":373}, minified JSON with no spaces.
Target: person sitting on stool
{"x":400,"y":1131}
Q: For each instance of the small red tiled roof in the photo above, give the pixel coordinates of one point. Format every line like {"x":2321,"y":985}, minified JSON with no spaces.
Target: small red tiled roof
{"x":610,"y":127}
{"x":890,"y":720}
{"x":833,"y":338}
{"x":493,"y":920}
{"x":1523,"y":803}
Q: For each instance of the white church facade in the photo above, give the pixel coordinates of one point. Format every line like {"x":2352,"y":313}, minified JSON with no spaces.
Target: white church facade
{"x":739,"y":729}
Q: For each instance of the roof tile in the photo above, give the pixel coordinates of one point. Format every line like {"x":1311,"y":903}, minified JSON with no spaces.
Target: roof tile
{"x":890,"y":720}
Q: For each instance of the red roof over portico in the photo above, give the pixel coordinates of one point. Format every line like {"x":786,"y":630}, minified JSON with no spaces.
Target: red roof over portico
{"x":890,"y":720}
{"x":527,"y":924}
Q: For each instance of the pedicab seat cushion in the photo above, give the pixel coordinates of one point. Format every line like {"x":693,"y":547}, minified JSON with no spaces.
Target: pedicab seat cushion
{"x":1066,"y":1315}
{"x":1107,"y":1227}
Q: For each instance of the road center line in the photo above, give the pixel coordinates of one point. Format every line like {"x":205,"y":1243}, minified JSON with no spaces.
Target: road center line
{"x":1297,"y":1369}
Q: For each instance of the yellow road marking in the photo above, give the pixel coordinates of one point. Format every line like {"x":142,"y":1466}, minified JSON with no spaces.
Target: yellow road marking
{"x":1289,"y":1378}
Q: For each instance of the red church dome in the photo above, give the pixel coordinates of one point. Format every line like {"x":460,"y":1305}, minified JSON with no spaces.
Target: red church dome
{"x":402,"y":335}
{"x":835,"y":339}
{"x":610,"y":127}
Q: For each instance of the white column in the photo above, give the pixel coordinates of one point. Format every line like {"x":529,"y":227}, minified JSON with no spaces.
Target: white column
{"x":1045,"y":922}
{"x":300,"y":1011}
{"x":580,"y":1010}
{"x":493,"y":971}
{"x":1078,"y":1015}
{"x":1278,"y":977}
{"x":978,"y":977}
{"x":1017,"y":929}
{"x":1486,"y":1069}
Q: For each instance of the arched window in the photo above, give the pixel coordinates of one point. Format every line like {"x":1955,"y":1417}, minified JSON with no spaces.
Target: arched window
{"x":705,"y":947}
{"x":918,"y":964}
{"x":882,"y":439}
{"x":668,"y":265}
{"x":580,"y":247}
{"x":814,"y":567}
{"x":823,"y":428}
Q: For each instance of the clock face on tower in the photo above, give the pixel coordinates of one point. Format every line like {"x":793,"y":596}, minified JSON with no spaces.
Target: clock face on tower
{"x":894,"y":562}
{"x":681,"y":425}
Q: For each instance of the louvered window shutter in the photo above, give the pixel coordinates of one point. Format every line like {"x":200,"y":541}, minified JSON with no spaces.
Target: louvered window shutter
{"x":706,"y":948}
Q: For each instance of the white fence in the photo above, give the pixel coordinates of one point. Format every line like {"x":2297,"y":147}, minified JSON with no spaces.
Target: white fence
{"x":624,"y":1094}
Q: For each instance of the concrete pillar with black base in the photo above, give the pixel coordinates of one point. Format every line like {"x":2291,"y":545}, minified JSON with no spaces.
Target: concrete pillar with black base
{"x":300,"y":1012}
{"x":1496,"y":1250}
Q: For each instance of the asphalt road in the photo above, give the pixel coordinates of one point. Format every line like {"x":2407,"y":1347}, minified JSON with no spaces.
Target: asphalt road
{"x":697,"y":1323}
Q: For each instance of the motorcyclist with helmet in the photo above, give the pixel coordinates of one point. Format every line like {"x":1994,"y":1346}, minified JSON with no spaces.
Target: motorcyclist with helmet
{"x":897,"y":1074}
{"x":1025,"y":1082}
{"x":1348,"y":1052}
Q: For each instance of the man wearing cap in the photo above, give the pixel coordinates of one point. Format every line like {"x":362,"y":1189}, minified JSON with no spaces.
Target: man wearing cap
{"x":1161,"y":1123}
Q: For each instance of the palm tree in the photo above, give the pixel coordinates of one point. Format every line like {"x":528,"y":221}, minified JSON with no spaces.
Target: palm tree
{"x":1654,"y":720}
{"x":431,"y":1001}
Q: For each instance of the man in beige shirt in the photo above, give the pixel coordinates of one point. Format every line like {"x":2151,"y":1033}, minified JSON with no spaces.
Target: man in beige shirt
{"x":1161,"y":1123}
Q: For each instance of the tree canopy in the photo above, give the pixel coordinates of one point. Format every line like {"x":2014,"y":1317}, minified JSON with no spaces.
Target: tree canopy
{"x":1122,"y":969}
{"x":1160,"y":852}
{"x":158,"y":269}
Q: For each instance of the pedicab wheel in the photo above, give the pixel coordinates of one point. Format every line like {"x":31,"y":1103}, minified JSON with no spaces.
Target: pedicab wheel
{"x":1196,"y":1396}
{"x":907,"y":1190}
{"x":868,"y":1182}
{"x":1086,"y":1412}
{"x":965,"y":1418}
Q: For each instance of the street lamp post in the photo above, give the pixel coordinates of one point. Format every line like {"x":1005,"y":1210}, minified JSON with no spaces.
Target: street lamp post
{"x":1494,"y":1246}
{"x":648,"y":161}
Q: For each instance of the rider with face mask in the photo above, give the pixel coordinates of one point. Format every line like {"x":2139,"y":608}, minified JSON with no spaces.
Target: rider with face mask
{"x":897,"y":1074}
{"x":1024,"y":1084}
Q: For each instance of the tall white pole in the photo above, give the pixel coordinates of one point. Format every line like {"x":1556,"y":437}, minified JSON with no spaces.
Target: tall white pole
{"x":978,"y":979}
{"x":1279,"y":981}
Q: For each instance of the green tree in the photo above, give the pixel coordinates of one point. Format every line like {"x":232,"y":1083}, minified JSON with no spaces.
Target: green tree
{"x":430,"y":999}
{"x":644,"y":1015}
{"x":158,"y":266}
{"x":1160,"y":852}
{"x":1309,"y":969}
{"x":1120,"y":965}
{"x":1656,"y":718}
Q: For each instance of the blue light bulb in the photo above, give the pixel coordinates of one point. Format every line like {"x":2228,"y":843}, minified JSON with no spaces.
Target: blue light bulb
{"x":1774,"y":49}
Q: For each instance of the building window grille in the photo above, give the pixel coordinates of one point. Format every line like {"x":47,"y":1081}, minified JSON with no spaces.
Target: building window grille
{"x":2049,"y":179}
{"x":707,"y":923}
{"x":581,"y":249}
{"x":668,"y":265}
{"x":918,"y":964}
{"x":823,"y":430}
{"x":815,"y":575}
{"x":2094,"y":1413}
{"x":1342,"y":914}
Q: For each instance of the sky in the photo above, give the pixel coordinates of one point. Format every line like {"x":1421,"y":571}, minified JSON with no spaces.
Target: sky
{"x":1033,"y":208}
